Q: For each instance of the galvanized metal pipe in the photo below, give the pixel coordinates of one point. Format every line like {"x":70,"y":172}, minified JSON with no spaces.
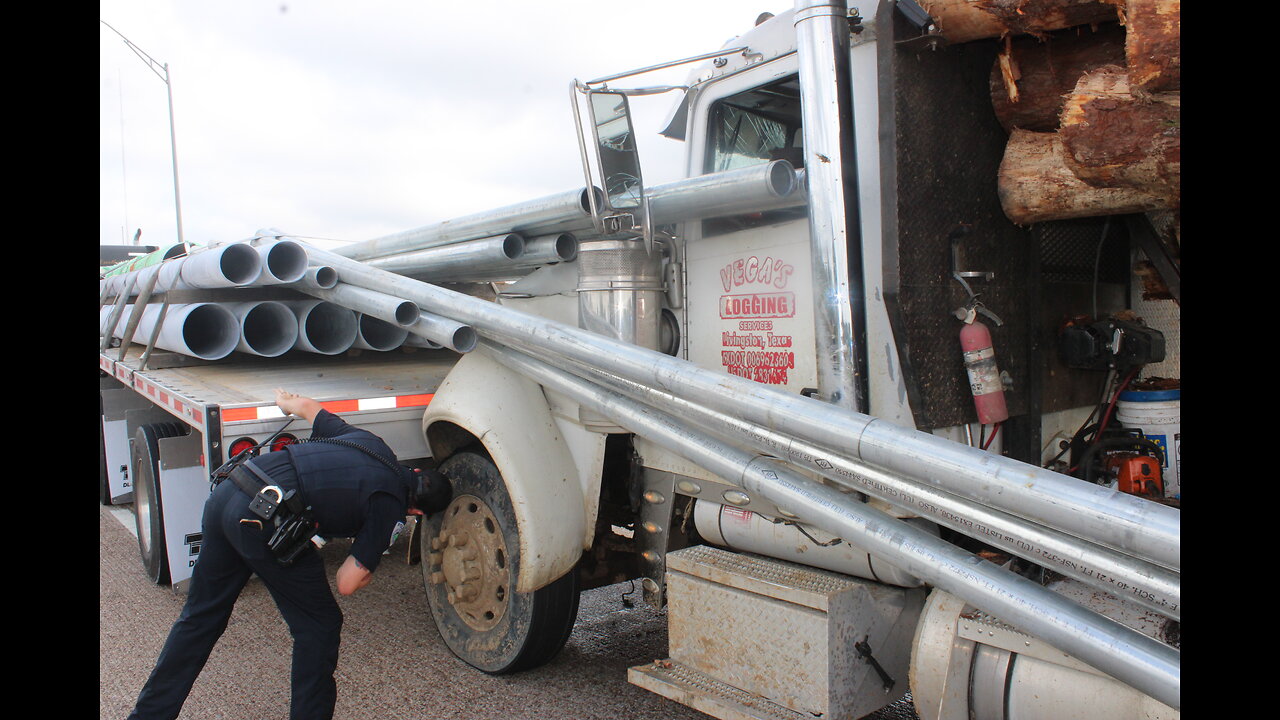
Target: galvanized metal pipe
{"x":444,"y":332}
{"x":546,"y":249}
{"x":267,"y":328}
{"x":376,"y":334}
{"x":369,"y":302}
{"x":319,"y":276}
{"x":323,"y":327}
{"x":769,"y":186}
{"x":283,"y":262}
{"x":229,"y":265}
{"x":1127,"y":655}
{"x":1149,"y":585}
{"x":1126,"y":523}
{"x":547,"y":214}
{"x":750,"y":189}
{"x":538,"y":252}
{"x":460,"y":257}
{"x":203,"y":330}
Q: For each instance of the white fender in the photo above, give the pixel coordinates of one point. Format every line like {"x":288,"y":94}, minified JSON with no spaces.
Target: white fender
{"x":510,"y":416}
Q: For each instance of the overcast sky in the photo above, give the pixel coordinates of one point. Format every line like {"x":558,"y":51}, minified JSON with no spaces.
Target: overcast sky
{"x":350,"y":120}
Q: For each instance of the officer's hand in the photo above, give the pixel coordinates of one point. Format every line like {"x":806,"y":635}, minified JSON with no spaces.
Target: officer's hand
{"x":294,"y":404}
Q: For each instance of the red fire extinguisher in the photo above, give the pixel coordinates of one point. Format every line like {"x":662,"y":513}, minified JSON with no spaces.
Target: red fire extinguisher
{"x":984,"y":376}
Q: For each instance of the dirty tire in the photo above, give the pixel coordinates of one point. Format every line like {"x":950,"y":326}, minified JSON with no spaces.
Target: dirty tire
{"x":145,"y":472}
{"x":492,"y":627}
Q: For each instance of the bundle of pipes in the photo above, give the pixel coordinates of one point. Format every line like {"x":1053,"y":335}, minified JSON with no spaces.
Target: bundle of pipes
{"x":1127,"y":655}
{"x":340,"y":318}
{"x":1027,"y":504}
{"x":500,"y":257}
{"x":762,"y":187}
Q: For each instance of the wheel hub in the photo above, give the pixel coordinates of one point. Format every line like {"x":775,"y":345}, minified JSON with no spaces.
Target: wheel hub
{"x":469,"y":556}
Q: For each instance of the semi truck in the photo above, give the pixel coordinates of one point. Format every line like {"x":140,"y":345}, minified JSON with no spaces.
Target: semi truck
{"x":858,"y":431}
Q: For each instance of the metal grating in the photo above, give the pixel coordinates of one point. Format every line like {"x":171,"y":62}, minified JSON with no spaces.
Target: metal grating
{"x":944,"y":180}
{"x":1071,"y":250}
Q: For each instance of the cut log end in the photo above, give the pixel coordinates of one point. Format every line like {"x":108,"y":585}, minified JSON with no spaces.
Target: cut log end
{"x":1035,"y":185}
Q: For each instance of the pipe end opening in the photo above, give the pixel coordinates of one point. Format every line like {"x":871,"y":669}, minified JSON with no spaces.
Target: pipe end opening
{"x":782,"y":178}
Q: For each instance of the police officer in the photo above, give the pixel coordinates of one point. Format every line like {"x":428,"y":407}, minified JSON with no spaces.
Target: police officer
{"x":352,"y":495}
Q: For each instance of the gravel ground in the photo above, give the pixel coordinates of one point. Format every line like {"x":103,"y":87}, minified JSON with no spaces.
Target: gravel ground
{"x":393,"y":663}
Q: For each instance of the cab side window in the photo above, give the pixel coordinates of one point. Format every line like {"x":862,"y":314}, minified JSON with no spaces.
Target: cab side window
{"x":752,"y":128}
{"x":757,"y":126}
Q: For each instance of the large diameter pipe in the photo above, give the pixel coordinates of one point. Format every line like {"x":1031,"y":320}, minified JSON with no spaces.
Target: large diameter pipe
{"x":324,"y":327}
{"x":1149,"y":585}
{"x":567,"y":209}
{"x":1124,"y":522}
{"x":283,"y":262}
{"x":229,"y":265}
{"x":461,"y":257}
{"x":202,"y":330}
{"x":267,"y":328}
{"x":1127,"y":655}
{"x":376,"y":334}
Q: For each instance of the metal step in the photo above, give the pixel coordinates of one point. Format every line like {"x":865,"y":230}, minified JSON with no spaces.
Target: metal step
{"x":706,"y":694}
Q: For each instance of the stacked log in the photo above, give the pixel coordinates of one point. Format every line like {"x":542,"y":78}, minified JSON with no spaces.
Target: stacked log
{"x":1113,"y":138}
{"x":964,"y":20}
{"x":1089,"y":92}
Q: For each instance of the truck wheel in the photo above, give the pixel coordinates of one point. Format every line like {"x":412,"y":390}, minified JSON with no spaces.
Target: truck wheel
{"x":472,"y":553}
{"x":144,"y":457}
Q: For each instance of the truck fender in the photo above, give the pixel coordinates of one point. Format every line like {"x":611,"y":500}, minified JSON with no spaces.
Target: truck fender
{"x":483,"y":401}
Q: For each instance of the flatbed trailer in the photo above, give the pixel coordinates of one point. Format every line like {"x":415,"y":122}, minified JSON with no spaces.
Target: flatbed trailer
{"x":168,"y":424}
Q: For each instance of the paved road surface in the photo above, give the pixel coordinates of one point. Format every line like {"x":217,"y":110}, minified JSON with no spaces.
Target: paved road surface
{"x":393,"y":664}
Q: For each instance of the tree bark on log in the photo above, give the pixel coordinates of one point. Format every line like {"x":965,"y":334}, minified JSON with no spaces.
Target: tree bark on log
{"x":1153,"y":44}
{"x":963,"y":20}
{"x":1113,"y":139}
{"x":1031,"y":78}
{"x":1035,"y":185}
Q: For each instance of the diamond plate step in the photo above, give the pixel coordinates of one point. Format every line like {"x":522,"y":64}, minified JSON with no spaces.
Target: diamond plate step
{"x":705,"y":694}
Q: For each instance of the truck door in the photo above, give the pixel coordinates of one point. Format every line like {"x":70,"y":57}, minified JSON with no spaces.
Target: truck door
{"x":749,"y":304}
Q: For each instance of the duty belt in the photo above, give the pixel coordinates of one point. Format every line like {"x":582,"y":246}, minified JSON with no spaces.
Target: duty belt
{"x":249,"y":478}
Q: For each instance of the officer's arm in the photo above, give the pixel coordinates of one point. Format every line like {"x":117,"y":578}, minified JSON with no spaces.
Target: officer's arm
{"x":352,"y":576}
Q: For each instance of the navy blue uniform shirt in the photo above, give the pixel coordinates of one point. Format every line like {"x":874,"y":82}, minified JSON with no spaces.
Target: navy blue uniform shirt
{"x":351,"y":494}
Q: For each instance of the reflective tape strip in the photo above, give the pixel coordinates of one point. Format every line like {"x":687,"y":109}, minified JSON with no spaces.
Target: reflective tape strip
{"x":267,"y":412}
{"x":190,"y":413}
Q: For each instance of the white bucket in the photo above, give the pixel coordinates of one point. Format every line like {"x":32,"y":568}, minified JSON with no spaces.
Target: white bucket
{"x":1158,"y":414}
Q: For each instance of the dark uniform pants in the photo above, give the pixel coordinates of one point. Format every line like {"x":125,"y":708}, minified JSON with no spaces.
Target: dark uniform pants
{"x":230,"y":552}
